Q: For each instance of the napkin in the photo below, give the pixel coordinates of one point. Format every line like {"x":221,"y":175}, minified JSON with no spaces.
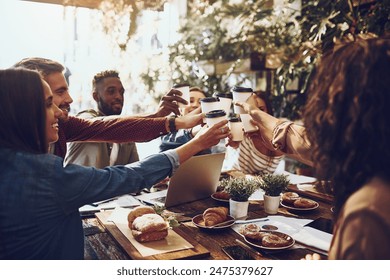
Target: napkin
{"x":314,"y":237}
{"x":173,"y":242}
{"x":296,"y":229}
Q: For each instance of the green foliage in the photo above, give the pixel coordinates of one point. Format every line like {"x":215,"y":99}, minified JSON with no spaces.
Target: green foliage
{"x":166,"y":215}
{"x":274,"y":184}
{"x":216,"y":31}
{"x":240,"y":189}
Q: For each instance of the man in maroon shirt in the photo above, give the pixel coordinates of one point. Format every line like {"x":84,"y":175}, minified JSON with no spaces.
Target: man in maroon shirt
{"x":115,"y":129}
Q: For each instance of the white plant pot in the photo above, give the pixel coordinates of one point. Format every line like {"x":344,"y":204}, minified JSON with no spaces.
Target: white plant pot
{"x":238,"y":209}
{"x":271,"y":204}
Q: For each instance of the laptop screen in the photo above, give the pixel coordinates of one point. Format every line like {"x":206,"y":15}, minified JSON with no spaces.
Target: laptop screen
{"x":195,"y":179}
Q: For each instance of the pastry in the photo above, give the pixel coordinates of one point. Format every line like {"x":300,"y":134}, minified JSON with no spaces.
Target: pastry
{"x":249,"y":228}
{"x":215,"y":215}
{"x":289,"y":197}
{"x":304,"y":203}
{"x":149,"y":227}
{"x":137,"y":212}
{"x":222,"y":195}
{"x":273,"y":240}
{"x":256,"y":235}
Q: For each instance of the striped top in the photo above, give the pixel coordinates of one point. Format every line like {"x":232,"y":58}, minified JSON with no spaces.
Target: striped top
{"x":249,"y":160}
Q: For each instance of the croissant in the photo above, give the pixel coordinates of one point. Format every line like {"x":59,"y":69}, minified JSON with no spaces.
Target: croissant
{"x":215,"y":215}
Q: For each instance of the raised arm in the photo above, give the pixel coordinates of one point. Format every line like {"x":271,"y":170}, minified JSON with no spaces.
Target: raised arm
{"x":280,"y":135}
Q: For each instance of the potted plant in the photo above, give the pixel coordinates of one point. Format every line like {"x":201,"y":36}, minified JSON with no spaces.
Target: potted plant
{"x":273,"y":185}
{"x":240,"y":189}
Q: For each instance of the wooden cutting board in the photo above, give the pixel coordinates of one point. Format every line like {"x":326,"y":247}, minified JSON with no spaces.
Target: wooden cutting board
{"x":197,"y":252}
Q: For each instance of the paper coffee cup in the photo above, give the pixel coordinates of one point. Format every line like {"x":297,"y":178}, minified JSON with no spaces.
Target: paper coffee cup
{"x":247,"y":124}
{"x":185,"y":90}
{"x":209,"y":104}
{"x":236,"y":129}
{"x":225,"y":100}
{"x":241,"y":94}
{"x":214,"y":117}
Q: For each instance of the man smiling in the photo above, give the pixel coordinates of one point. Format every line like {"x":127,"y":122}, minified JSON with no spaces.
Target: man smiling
{"x":116,"y":129}
{"x":108,"y":92}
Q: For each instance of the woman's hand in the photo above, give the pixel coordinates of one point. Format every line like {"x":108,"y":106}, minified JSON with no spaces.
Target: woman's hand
{"x":233,"y":144}
{"x":249,"y":105}
{"x":205,"y":138}
{"x":190,"y":120}
{"x":210,"y":136}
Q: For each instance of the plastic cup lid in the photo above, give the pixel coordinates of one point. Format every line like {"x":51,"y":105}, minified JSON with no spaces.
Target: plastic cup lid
{"x":209,"y":99}
{"x":242,"y":89}
{"x":215,"y":114}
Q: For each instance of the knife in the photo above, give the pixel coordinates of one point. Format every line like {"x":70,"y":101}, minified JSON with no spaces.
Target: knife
{"x":222,"y":224}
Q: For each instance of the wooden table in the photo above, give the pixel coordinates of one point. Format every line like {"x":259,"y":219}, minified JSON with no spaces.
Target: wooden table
{"x":99,"y":244}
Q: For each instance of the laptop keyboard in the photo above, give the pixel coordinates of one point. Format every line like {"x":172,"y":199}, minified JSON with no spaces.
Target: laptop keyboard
{"x":160,"y":199}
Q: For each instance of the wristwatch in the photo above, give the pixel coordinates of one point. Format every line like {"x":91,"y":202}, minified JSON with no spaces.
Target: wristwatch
{"x":171,"y":123}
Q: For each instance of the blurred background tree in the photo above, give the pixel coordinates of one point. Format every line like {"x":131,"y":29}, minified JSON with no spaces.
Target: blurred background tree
{"x":226,"y":42}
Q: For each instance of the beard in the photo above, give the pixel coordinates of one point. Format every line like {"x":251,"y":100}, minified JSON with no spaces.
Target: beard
{"x":107,"y":109}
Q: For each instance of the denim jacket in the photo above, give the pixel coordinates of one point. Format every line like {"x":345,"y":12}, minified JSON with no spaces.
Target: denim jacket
{"x":176,"y":139}
{"x":39,"y":199}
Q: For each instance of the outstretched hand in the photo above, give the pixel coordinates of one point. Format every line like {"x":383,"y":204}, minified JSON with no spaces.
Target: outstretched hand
{"x":169,"y":103}
{"x":233,"y":144}
{"x":210,"y":136}
{"x":190,"y":120}
{"x":249,"y":105}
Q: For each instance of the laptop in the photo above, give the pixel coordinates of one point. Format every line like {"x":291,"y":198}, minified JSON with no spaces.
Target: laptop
{"x":195,"y":179}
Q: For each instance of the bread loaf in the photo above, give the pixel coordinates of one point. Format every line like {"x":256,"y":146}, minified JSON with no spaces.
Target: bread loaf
{"x":289,"y":197}
{"x":215,"y":215}
{"x":137,"y":212}
{"x":149,"y":227}
{"x":304,"y":203}
{"x":272,"y":240}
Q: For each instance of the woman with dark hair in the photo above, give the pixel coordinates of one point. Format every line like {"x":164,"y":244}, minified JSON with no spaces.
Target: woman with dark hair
{"x":29,"y":135}
{"x":346,"y":138}
{"x":251,"y":155}
{"x":39,"y":197}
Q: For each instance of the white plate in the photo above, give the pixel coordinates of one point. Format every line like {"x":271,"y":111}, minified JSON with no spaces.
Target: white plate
{"x":258,"y":244}
{"x":300,"y":208}
{"x":199,"y":222}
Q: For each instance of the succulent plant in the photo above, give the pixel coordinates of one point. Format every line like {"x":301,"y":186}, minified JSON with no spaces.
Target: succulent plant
{"x":274,"y":184}
{"x":240,"y":189}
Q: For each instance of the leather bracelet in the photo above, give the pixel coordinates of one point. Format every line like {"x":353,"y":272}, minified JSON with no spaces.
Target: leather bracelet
{"x":171,"y":123}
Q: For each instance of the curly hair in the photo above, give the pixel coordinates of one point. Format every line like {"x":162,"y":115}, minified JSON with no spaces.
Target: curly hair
{"x":347,"y":116}
{"x":102,"y":75}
